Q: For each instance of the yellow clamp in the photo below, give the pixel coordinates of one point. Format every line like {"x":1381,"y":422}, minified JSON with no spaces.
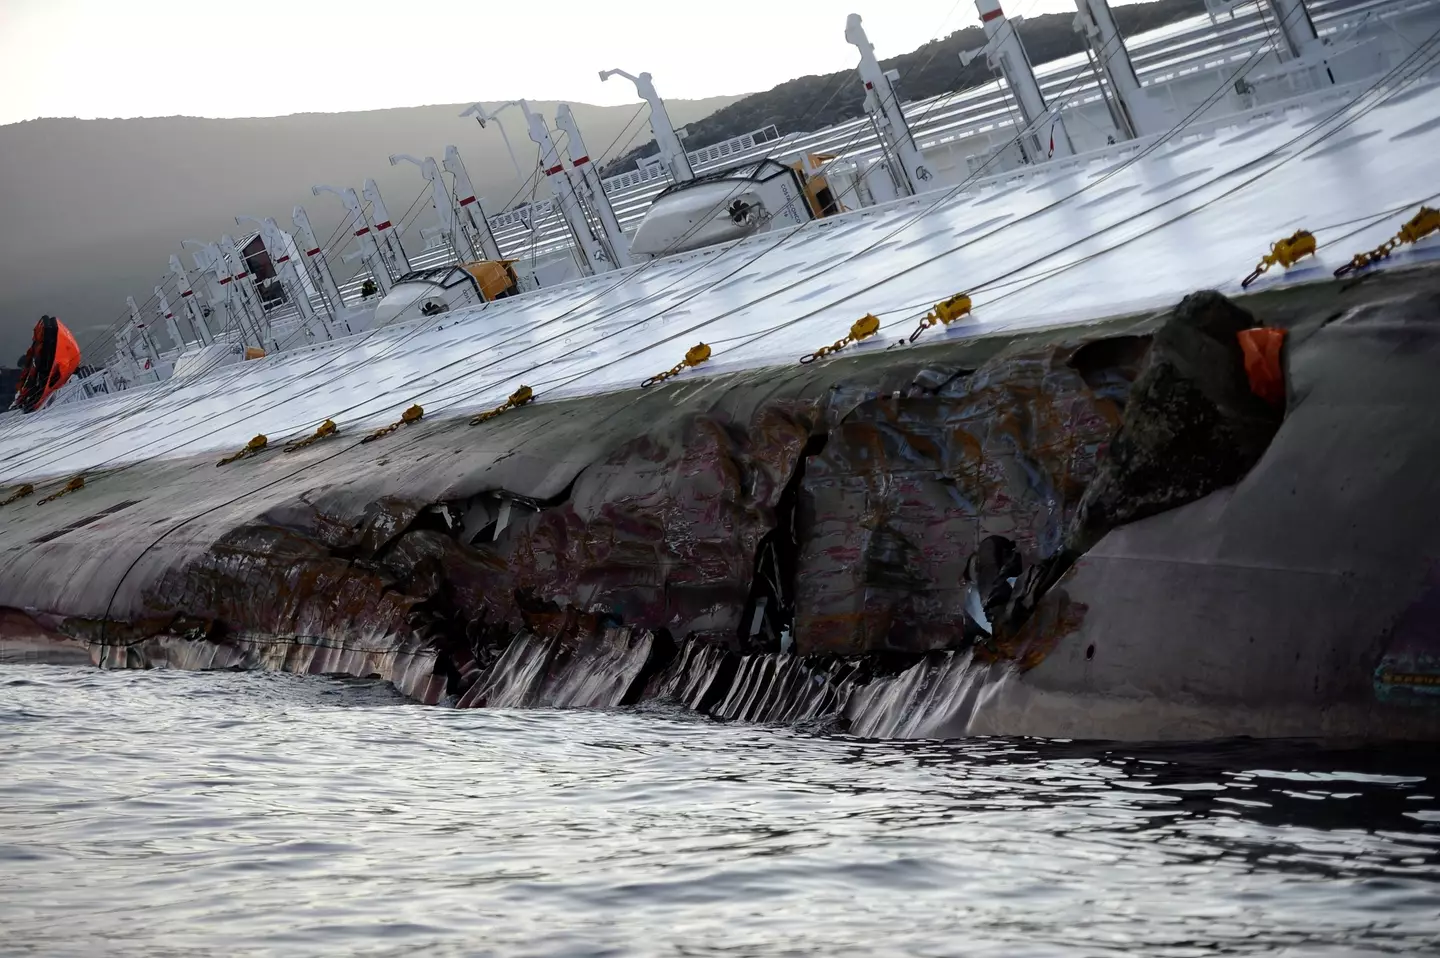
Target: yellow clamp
{"x":1285,"y":252}
{"x":518,"y":398}
{"x":693,"y":357}
{"x":20,"y":493}
{"x":327,"y":428}
{"x":77,"y":483}
{"x":410,"y":415}
{"x":944,"y":312}
{"x":863,"y":328}
{"x":251,"y":448}
{"x":1421,"y":225}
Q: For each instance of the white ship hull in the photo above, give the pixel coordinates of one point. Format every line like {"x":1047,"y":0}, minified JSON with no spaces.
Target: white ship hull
{"x":1133,"y":234}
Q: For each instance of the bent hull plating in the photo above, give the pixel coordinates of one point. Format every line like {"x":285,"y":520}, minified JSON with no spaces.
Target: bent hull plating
{"x":1276,"y":606}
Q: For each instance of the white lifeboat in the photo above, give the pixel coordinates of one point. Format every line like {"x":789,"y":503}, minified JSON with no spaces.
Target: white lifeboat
{"x":723,"y":206}
{"x":194,"y":362}
{"x":429,"y":292}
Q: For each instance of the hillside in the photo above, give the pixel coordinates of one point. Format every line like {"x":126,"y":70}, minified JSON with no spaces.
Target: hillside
{"x":815,"y":102}
{"x":94,"y":208}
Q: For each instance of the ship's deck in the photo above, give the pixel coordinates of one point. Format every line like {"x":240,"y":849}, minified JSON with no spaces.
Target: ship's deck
{"x":1195,"y":50}
{"x":1125,"y":234}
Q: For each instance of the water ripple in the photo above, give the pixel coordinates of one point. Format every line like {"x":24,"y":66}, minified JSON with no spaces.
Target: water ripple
{"x":170,"y":813}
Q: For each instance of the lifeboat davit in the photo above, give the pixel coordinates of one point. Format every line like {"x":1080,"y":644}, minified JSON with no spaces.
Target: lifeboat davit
{"x":50,"y":361}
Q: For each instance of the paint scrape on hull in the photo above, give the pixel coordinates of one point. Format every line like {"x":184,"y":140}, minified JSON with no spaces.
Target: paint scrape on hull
{"x":1097,"y":531}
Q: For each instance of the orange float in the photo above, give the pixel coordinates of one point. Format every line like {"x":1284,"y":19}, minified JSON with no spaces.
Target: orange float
{"x":1261,"y":347}
{"x":50,"y":361}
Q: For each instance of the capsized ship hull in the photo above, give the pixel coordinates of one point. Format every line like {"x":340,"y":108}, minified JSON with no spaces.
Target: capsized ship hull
{"x":772,"y":541}
{"x":617,"y":549}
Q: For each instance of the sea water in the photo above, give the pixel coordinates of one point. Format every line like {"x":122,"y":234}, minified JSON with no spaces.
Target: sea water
{"x":172,"y":813}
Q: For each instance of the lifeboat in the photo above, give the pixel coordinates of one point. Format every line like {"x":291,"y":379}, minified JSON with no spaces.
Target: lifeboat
{"x":427,"y":292}
{"x":49,"y":363}
{"x":723,"y":206}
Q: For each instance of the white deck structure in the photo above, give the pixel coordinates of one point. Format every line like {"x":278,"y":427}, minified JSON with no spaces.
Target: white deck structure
{"x":1181,"y":64}
{"x":1130,"y":234}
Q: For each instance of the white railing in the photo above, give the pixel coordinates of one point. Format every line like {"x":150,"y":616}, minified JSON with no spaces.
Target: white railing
{"x":525,"y":215}
{"x":613,"y":184}
{"x":700,"y":157}
{"x":735,"y":144}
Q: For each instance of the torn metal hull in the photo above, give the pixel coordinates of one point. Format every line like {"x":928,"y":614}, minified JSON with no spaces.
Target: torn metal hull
{"x":1041,"y":520}
{"x":560,"y":553}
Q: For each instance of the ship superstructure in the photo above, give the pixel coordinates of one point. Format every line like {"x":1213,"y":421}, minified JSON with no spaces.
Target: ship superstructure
{"x":1135,"y":171}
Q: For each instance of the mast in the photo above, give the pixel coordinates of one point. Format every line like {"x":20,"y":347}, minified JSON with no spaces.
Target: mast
{"x":316,"y":259}
{"x":125,"y":355}
{"x":1296,"y":27}
{"x":1131,"y":109}
{"x":212,"y":267}
{"x":147,"y":345}
{"x":276,"y":245}
{"x":187,"y":299}
{"x":1007,"y":54}
{"x":444,"y":206}
{"x":555,"y":174}
{"x":590,"y":178}
{"x":370,"y":249}
{"x":472,"y":217}
{"x":672,"y":151}
{"x":241,"y":289}
{"x":386,"y":233}
{"x":883,"y":105}
{"x":171,"y":327}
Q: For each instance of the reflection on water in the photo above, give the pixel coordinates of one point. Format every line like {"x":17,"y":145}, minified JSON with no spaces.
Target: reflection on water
{"x":169,"y":813}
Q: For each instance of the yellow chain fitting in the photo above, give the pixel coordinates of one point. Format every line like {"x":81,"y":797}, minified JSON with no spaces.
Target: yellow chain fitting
{"x":863,"y":328}
{"x":77,"y":483}
{"x":518,"y":398}
{"x":1285,"y":252}
{"x":410,"y":415}
{"x":327,"y":428}
{"x":693,"y":357}
{"x":944,"y":312}
{"x":251,"y":448}
{"x":1421,"y":225}
{"x":20,"y":493}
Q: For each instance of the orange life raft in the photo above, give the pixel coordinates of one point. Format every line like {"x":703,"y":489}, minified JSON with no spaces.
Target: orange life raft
{"x":50,"y":361}
{"x":1261,"y":347}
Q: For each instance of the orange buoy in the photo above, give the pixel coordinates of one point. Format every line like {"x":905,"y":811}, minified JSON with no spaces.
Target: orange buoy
{"x":1261,"y":347}
{"x":50,"y":361}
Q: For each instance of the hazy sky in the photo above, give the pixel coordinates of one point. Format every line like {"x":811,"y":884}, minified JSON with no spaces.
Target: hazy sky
{"x":122,"y":58}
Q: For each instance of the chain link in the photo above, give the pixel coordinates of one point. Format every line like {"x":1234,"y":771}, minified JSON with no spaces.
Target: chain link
{"x":693,"y":357}
{"x":74,"y":484}
{"x":1284,"y":253}
{"x":20,"y":493}
{"x":251,"y":448}
{"x":518,"y":398}
{"x":411,"y":415}
{"x":945,"y":312}
{"x":327,"y":428}
{"x":1419,"y":226}
{"x":863,"y":328}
